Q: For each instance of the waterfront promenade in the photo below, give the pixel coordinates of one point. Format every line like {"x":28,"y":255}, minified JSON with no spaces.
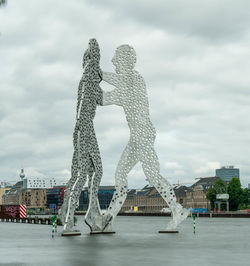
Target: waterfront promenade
{"x":218,"y":241}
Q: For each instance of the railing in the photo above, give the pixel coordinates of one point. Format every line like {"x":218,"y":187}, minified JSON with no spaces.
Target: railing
{"x":31,"y":220}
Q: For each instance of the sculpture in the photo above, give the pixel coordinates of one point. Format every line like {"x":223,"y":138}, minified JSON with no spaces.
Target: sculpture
{"x":86,"y":160}
{"x":130,"y":93}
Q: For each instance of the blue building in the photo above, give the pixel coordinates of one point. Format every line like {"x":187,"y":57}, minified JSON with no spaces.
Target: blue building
{"x":226,"y":173}
{"x":105,"y":194}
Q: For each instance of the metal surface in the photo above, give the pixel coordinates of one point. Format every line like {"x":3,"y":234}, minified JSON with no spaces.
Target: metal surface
{"x":130,"y":93}
{"x":86,"y":162}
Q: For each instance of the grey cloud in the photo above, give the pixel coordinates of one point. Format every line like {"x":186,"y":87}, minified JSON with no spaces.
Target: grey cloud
{"x":211,"y":20}
{"x":194,"y":57}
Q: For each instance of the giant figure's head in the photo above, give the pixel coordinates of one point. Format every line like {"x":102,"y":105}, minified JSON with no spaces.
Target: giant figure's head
{"x":92,"y":53}
{"x":124,"y":59}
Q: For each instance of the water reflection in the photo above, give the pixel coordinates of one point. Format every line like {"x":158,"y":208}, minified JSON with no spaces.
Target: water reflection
{"x":217,"y":241}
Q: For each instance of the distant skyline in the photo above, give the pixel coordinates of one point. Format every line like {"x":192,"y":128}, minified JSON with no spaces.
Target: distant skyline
{"x":193,"y":55}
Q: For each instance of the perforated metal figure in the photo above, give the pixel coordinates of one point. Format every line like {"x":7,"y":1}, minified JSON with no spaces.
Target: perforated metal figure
{"x":130,"y":93}
{"x":86,"y":160}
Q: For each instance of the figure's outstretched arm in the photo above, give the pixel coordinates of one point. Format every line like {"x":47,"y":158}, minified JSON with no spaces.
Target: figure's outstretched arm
{"x":111,"y":97}
{"x":112,"y":78}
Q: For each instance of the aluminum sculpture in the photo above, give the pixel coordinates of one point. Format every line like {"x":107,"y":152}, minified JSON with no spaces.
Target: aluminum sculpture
{"x":86,"y":162}
{"x":130,"y":93}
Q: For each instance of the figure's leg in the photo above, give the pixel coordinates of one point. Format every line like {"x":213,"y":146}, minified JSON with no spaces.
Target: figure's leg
{"x":64,"y":207}
{"x":74,"y":174}
{"x":73,"y":191}
{"x":93,"y":217}
{"x":127,"y":161}
{"x":151,"y":168}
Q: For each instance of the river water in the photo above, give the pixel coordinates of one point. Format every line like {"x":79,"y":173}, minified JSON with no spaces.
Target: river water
{"x":218,"y":241}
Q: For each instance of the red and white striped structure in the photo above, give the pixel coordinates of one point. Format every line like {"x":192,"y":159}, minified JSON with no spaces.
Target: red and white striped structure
{"x":23,"y":211}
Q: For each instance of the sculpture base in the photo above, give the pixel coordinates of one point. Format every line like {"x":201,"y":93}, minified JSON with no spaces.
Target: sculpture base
{"x":101,"y":232}
{"x":168,"y":232}
{"x":71,"y":233}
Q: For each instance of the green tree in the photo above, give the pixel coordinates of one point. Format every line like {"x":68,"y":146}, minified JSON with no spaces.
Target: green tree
{"x":244,"y":202}
{"x":235,"y":194}
{"x":220,"y":186}
{"x":211,"y":195}
{"x":2,"y":2}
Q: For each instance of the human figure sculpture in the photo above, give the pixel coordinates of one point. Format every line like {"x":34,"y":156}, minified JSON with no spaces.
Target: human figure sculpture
{"x":86,"y":160}
{"x":130,"y":93}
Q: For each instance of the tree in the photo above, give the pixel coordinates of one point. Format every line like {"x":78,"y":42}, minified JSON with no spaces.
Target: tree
{"x":220,"y":187}
{"x":2,"y":2}
{"x":211,"y":195}
{"x":235,"y":194}
{"x":244,"y":202}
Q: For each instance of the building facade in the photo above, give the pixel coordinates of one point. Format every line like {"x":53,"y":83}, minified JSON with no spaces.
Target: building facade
{"x":149,"y":200}
{"x":16,"y":195}
{"x":39,"y":182}
{"x":105,"y":194}
{"x":11,"y":197}
{"x":226,"y":173}
{"x":33,"y":198}
{"x":55,"y":197}
{"x":196,"y":197}
{"x":2,"y":192}
{"x":146,"y":199}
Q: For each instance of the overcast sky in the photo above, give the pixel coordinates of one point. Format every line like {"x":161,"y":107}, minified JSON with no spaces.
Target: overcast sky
{"x":193,"y":55}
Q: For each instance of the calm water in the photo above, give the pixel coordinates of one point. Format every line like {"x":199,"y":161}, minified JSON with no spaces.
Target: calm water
{"x":218,"y":241}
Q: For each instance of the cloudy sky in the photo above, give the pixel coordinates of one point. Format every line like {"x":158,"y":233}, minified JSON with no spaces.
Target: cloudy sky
{"x":194,"y":56}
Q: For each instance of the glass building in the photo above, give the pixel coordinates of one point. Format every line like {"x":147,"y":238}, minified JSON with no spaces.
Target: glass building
{"x":55,"y":197}
{"x":105,"y":194}
{"x":226,"y":173}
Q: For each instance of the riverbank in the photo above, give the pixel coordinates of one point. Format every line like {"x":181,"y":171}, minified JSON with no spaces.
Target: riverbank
{"x":237,"y":214}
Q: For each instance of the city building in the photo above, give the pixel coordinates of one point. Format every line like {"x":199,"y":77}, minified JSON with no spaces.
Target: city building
{"x":2,"y":192}
{"x":145,"y":200}
{"x":4,"y":184}
{"x":32,"y":192}
{"x":196,"y":197}
{"x":181,"y":194}
{"x":55,"y":197}
{"x":105,"y":194}
{"x":148,"y":199}
{"x":33,"y":198}
{"x":11,"y":197}
{"x":39,"y":182}
{"x":226,"y":173}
